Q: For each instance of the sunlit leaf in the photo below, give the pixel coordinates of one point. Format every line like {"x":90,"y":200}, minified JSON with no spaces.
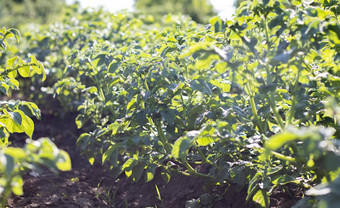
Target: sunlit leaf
{"x":261,"y":197}
{"x":63,"y":161}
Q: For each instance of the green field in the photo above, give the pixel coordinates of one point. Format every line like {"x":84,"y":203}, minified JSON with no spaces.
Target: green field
{"x":248,"y":107}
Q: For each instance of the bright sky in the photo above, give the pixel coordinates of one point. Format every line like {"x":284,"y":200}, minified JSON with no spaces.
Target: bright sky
{"x":224,"y":8}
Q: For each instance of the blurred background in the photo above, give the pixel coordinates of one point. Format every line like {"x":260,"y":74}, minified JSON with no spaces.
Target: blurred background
{"x":14,"y":13}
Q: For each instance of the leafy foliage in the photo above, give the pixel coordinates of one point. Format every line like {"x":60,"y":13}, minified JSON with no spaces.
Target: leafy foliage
{"x":198,"y":10}
{"x":15,"y":13}
{"x":15,"y":115}
{"x":15,"y":161}
{"x":237,"y":3}
{"x":255,"y":99}
{"x":15,"y":118}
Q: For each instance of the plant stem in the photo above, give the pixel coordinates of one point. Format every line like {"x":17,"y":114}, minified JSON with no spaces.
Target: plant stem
{"x":267,"y":34}
{"x":253,"y":109}
{"x":194,"y":172}
{"x":273,"y":107}
{"x":292,"y":107}
{"x":270,"y":95}
{"x":203,"y":156}
{"x":7,"y":71}
{"x":162,"y":137}
{"x":278,"y":155}
{"x":6,"y":193}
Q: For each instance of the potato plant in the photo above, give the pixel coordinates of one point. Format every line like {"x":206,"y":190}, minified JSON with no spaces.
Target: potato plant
{"x":253,"y":99}
{"x":15,"y":118}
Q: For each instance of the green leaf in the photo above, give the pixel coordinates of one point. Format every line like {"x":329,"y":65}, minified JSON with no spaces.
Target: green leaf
{"x":112,"y":150}
{"x":30,"y":109}
{"x":16,"y":116}
{"x":223,"y":85}
{"x":41,"y":66}
{"x":193,"y":114}
{"x":141,"y":118}
{"x":214,"y":19}
{"x":165,"y":176}
{"x":284,"y":179}
{"x":279,"y":140}
{"x":11,"y":125}
{"x":253,"y":185}
{"x":17,"y":184}
{"x":3,"y":45}
{"x":218,"y":24}
{"x":16,"y":33}
{"x":277,"y":21}
{"x":182,"y":145}
{"x":48,"y":150}
{"x":114,"y":127}
{"x":3,"y":135}
{"x":221,"y":67}
{"x":91,"y":90}
{"x":9,"y":162}
{"x":80,"y":120}
{"x":261,"y":197}
{"x":4,"y":88}
{"x":24,"y":71}
{"x":11,"y":62}
{"x":238,"y":175}
{"x":17,"y":153}
{"x":102,"y":59}
{"x":27,"y":124}
{"x":113,"y":66}
{"x":334,"y":34}
{"x":91,"y":160}
{"x":13,"y":74}
{"x":129,"y":164}
{"x":201,"y":85}
{"x":131,"y":104}
{"x":150,"y":173}
{"x":39,"y":69}
{"x":101,"y":95}
{"x":234,"y":36}
{"x":284,"y":57}
{"x":273,"y":170}
{"x":265,"y":2}
{"x":137,"y":171}
{"x":198,"y":47}
{"x":63,"y":161}
{"x":169,"y":115}
{"x":14,"y":82}
{"x":204,"y":141}
{"x":167,"y":50}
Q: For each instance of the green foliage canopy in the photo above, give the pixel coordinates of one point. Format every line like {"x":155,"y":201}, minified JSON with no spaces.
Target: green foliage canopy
{"x":15,"y":118}
{"x":199,"y":10}
{"x":237,"y":3}
{"x":18,"y":12}
{"x":254,"y":99}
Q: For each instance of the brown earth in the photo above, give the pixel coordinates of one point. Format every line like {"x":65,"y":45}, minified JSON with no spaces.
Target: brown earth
{"x":92,"y":186}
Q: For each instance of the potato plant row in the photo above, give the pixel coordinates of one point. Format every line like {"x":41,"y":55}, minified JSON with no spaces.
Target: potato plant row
{"x":255,"y":99}
{"x":15,"y":117}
